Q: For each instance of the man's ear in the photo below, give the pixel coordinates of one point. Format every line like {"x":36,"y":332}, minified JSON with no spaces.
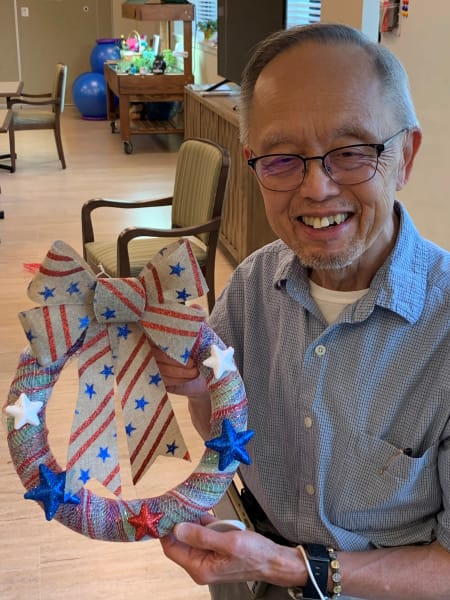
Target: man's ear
{"x":410,"y":149}
{"x":247,"y":152}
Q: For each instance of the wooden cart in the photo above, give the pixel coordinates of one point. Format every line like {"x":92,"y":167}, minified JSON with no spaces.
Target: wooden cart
{"x":150,"y":87}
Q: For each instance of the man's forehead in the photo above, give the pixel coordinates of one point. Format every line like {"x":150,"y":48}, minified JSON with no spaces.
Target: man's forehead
{"x":330,"y":61}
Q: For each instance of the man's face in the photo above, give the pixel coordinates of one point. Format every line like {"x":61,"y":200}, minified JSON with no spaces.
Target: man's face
{"x":307,"y":101}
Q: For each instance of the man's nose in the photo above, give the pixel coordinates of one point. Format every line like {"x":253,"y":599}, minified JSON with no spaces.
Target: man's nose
{"x":317,"y":184}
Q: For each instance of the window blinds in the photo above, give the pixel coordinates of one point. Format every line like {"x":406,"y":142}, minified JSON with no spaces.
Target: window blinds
{"x":301,"y":12}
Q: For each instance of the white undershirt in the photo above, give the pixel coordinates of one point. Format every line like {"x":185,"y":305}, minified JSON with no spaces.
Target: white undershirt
{"x":331,"y":302}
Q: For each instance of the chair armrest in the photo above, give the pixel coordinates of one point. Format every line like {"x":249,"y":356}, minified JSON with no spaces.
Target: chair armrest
{"x":24,"y":95}
{"x":50,"y":102}
{"x":88,"y":207}
{"x":128,"y":234}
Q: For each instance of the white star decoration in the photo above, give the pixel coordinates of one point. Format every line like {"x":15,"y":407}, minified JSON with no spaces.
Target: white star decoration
{"x":220,"y":361}
{"x":24,"y":411}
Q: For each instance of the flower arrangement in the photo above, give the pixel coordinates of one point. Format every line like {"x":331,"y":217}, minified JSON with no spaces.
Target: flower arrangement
{"x":208,"y":27}
{"x":143,"y":62}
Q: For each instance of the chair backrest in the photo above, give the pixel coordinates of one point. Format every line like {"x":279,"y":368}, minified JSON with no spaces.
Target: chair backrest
{"x":59,"y":86}
{"x":200,"y":183}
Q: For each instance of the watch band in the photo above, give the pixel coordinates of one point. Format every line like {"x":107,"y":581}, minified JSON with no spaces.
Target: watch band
{"x":319,"y":560}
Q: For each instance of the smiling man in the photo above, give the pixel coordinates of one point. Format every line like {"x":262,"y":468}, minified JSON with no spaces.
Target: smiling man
{"x":341,"y":331}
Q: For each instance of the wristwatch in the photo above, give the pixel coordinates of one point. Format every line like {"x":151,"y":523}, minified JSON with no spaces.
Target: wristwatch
{"x":319,"y":561}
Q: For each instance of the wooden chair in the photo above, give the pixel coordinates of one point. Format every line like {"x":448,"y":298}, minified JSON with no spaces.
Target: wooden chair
{"x":199,"y":192}
{"x":42,"y":111}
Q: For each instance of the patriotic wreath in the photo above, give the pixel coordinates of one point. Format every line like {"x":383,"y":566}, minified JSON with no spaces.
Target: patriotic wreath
{"x":109,"y":324}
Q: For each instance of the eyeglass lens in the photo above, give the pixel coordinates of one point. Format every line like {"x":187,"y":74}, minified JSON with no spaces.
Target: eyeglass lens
{"x":346,"y":166}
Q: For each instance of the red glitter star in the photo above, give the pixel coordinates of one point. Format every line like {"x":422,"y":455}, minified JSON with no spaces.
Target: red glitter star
{"x":145,"y":523}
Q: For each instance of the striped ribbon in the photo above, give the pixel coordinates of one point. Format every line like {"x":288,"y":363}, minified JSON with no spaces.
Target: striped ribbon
{"x":112,"y":322}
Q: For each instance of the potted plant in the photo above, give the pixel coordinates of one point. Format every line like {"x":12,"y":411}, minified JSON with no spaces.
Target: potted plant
{"x":208,"y":27}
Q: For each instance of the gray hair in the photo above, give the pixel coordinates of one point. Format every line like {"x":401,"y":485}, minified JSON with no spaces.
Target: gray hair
{"x":389,"y":69}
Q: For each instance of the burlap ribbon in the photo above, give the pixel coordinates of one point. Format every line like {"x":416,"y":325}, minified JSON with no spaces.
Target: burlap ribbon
{"x":111,"y":323}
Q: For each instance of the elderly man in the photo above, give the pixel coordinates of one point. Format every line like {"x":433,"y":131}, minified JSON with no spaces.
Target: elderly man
{"x":341,"y":331}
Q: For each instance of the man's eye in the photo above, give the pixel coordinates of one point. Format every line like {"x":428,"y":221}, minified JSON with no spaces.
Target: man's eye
{"x":278,"y":163}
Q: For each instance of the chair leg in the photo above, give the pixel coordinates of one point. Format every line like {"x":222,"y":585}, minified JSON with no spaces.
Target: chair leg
{"x":211,"y":295}
{"x":12,"y":146}
{"x":57,"y":132}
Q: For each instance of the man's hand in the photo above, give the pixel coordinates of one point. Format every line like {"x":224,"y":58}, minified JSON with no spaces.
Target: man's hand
{"x":212,"y":557}
{"x":179,"y":379}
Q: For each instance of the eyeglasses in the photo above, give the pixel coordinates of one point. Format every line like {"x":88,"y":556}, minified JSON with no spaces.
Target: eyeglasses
{"x":348,"y":165}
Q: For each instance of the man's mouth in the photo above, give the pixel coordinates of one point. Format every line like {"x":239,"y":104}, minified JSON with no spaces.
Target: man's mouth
{"x":323,"y":222}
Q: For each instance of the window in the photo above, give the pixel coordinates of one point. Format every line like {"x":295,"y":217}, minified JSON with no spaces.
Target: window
{"x":205,"y":9}
{"x":301,"y":12}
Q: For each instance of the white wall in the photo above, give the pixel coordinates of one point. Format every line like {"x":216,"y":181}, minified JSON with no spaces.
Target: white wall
{"x":423,"y":46}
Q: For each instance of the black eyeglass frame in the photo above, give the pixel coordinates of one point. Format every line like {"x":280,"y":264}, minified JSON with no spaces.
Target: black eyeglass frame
{"x":378,"y":147}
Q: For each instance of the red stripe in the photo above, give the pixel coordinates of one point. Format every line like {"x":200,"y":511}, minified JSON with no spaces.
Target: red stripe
{"x":149,"y":456}
{"x":93,"y":341}
{"x":51,"y":337}
{"x":30,"y":460}
{"x":111,"y":476}
{"x":90,"y":441}
{"x":126,"y":301}
{"x":227,"y":411}
{"x":166,"y":329}
{"x":53,"y":273}
{"x":65,"y":326}
{"x":195,"y":270}
{"x":144,"y":363}
{"x":92,"y":417}
{"x":59,"y":257}
{"x":92,"y":360}
{"x":150,"y":426}
{"x":158,"y":286}
{"x":126,"y":365}
{"x":159,"y":310}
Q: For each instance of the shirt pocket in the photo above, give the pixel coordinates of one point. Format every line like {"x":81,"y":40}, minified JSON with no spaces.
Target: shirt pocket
{"x":379,"y":488}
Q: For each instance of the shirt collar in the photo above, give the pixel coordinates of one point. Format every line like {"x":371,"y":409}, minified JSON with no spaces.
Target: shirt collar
{"x":399,"y":285}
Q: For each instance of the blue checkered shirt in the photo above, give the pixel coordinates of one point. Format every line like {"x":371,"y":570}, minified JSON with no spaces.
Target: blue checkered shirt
{"x":352,"y":442}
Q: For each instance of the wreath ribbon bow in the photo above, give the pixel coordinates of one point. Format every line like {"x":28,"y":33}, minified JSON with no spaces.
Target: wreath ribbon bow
{"x":113,"y":322}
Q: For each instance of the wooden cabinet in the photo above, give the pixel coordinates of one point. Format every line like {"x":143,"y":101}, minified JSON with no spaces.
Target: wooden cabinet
{"x":244,"y":225}
{"x":149,"y":88}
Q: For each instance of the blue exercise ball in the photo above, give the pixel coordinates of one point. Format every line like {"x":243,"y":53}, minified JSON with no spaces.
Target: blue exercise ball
{"x":89,"y":95}
{"x":106,"y":49}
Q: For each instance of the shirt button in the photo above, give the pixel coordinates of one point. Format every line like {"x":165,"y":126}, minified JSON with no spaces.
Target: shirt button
{"x":310,"y":490}
{"x":308,"y":422}
{"x":320,"y":350}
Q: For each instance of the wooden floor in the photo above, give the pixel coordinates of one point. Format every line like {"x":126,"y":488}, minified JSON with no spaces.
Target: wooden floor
{"x":41,"y":560}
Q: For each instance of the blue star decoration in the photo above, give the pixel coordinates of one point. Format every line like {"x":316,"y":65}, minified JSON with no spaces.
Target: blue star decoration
{"x":145,"y":523}
{"x":89,"y":391}
{"x":50,"y":491}
{"x":84,"y":476}
{"x":123,"y":331}
{"x":141,"y":403}
{"x":230,"y":445}
{"x":84,"y":322}
{"x":109,"y":313}
{"x":107,"y":371}
{"x":155,"y":379}
{"x":129,"y":429}
{"x":103,"y":453}
{"x":185,"y":356}
{"x":183,"y":295}
{"x":30,"y":336}
{"x":176,"y":269}
{"x":171,"y":448}
{"x":47,"y":292}
{"x":73,"y":288}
